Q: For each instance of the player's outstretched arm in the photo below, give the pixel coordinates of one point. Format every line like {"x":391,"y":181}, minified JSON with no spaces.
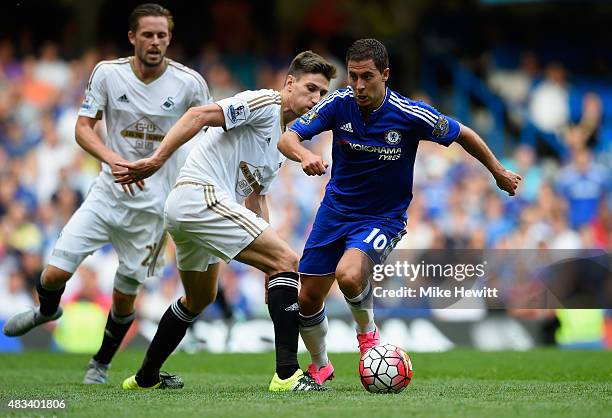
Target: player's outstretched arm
{"x":291,"y":147}
{"x":88,"y":139}
{"x":506,"y":180}
{"x":183,"y":130}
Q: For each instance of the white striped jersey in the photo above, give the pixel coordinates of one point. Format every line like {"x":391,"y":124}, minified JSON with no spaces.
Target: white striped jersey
{"x":138,"y":115}
{"x":373,"y":160}
{"x":244,"y":158}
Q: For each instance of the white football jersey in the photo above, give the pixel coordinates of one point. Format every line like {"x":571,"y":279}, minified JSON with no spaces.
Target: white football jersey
{"x":244,"y":159}
{"x":138,"y":115}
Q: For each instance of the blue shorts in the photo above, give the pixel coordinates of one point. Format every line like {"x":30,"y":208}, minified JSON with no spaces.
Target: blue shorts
{"x":333,"y":233}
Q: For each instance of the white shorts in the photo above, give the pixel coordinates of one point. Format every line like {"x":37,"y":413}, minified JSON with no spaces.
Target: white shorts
{"x":206,"y":225}
{"x":134,"y":235}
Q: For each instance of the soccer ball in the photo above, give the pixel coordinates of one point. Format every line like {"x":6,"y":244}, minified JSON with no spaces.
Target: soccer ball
{"x":385,"y":369}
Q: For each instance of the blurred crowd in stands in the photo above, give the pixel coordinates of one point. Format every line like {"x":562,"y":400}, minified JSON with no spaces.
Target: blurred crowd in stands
{"x":564,"y":202}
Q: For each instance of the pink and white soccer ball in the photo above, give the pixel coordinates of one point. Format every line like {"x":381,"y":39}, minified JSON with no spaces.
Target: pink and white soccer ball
{"x":385,"y":369}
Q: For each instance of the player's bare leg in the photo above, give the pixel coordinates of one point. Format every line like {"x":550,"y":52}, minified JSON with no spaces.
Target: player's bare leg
{"x":50,"y":287}
{"x":54,"y":278}
{"x":269,"y":253}
{"x":353,"y":272}
{"x":200,"y":291}
{"x":123,"y":304}
{"x":120,"y":318}
{"x":314,"y":324}
{"x":313,"y":292}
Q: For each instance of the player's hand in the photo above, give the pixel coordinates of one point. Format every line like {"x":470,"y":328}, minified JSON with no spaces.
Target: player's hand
{"x":508,"y":181}
{"x":314,"y":165}
{"x":135,"y":172}
{"x":115,"y":166}
{"x":127,"y":188}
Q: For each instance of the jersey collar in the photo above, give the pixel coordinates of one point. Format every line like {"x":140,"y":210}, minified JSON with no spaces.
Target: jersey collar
{"x":376,"y":112}
{"x":135,"y":72}
{"x":283,"y":125}
{"x":383,"y":102}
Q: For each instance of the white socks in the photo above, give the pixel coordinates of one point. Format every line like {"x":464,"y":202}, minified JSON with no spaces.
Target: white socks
{"x":313,"y":329}
{"x":362,"y":308}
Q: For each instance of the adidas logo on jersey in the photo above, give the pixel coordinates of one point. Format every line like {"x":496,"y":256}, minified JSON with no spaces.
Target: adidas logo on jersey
{"x":123,"y":99}
{"x":347,"y":127}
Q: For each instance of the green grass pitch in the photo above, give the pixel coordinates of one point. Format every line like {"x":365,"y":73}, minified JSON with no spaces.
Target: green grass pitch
{"x":460,"y":383}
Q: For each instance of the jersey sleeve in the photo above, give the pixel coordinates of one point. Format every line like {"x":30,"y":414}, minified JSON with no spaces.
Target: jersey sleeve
{"x":319,"y":119}
{"x":244,"y":109}
{"x":433,"y":125}
{"x":95,"y":97}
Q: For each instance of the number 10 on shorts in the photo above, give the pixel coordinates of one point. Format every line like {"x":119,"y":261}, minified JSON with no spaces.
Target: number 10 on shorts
{"x":379,"y":241}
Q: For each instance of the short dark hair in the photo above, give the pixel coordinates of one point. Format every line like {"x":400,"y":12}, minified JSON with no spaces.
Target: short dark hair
{"x":150,"y":9}
{"x":366,"y":49}
{"x":308,"y":62}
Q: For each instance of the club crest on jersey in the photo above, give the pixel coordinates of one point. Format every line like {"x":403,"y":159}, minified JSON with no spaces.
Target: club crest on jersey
{"x":236,"y":113}
{"x":168,"y":104}
{"x":308,"y":117}
{"x":393,"y":137}
{"x":441,"y":127}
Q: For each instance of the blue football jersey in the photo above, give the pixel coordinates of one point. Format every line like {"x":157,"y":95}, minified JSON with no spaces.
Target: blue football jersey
{"x":373,"y":160}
